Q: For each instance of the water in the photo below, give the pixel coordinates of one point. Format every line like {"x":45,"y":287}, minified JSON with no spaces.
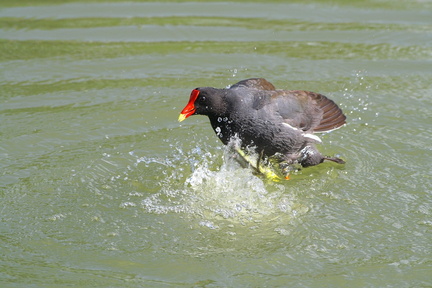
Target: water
{"x":102,"y":187}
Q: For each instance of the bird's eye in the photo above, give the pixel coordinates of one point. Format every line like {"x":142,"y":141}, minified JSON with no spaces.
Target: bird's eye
{"x":202,"y":99}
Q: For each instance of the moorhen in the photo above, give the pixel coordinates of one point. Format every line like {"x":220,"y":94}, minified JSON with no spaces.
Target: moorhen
{"x":276,"y":123}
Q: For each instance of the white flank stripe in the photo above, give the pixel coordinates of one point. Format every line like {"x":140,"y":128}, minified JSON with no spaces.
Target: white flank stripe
{"x":288,"y":125}
{"x":313,"y":137}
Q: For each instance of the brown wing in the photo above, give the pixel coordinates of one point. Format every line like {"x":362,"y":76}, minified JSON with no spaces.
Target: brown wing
{"x":308,"y":111}
{"x":254,"y":83}
{"x":332,"y":116}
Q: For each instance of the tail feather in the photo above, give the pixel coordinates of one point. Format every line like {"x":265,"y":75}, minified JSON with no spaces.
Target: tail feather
{"x":335,"y":159}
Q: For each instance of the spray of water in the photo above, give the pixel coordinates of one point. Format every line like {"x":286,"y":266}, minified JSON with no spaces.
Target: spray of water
{"x":218,"y":194}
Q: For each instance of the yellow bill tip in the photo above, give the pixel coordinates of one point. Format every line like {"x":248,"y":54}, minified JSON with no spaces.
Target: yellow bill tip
{"x":181,"y":117}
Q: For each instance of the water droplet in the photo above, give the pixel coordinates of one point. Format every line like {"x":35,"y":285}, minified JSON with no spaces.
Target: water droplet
{"x":234,"y":72}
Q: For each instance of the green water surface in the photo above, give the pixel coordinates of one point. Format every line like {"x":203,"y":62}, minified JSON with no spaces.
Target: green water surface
{"x":100,"y":186}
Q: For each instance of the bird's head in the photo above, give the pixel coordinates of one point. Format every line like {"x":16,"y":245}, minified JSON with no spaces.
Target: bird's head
{"x":204,"y":101}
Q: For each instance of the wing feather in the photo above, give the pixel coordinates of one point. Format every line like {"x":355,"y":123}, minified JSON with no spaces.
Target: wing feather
{"x":304,"y":110}
{"x":254,"y":83}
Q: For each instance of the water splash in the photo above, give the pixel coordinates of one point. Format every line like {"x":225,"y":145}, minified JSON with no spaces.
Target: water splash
{"x":226,"y":194}
{"x":357,"y":93}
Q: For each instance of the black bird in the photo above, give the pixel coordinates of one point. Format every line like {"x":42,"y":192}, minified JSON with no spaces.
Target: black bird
{"x":275,"y":122}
